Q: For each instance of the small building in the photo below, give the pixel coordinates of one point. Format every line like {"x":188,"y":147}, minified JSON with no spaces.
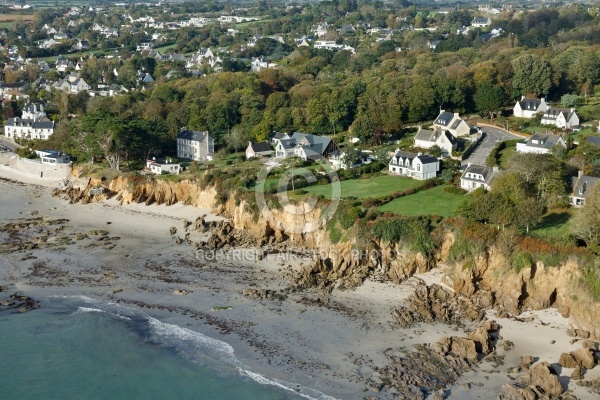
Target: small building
{"x":426,"y":139}
{"x":527,"y":107}
{"x":433,"y":44}
{"x":195,"y":145}
{"x":540,"y":143}
{"x":565,"y":118}
{"x":53,"y":157}
{"x":417,"y":166}
{"x":258,"y":149}
{"x":477,"y":176}
{"x":581,"y":189}
{"x":159,"y":167}
{"x":452,"y":123}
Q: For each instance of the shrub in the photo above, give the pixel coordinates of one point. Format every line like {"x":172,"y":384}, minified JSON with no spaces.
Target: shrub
{"x":521,"y":261}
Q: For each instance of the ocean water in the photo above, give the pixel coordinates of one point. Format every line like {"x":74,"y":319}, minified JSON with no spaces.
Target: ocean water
{"x":79,"y":348}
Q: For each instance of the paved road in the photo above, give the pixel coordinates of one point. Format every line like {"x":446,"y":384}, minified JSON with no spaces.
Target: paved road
{"x":492,"y":137}
{"x":6,"y":144}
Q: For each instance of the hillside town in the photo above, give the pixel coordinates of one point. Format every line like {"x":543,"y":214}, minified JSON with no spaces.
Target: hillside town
{"x":462,"y":138}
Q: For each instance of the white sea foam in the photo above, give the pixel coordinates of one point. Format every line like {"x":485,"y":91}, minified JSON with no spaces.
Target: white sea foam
{"x":224,"y":351}
{"x":88,"y":309}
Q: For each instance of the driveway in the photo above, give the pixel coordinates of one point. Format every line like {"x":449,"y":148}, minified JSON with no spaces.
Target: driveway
{"x":491,"y":138}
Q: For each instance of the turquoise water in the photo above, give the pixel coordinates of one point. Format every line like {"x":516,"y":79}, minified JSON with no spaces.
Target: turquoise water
{"x":74,"y":350}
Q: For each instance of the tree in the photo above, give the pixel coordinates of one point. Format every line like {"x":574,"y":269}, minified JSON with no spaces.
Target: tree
{"x":237,"y":139}
{"x":585,"y":225}
{"x":569,"y":100}
{"x":489,"y":99}
{"x":531,"y":74}
{"x":529,"y":213}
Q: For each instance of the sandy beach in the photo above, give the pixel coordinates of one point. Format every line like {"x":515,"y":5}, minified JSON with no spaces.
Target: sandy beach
{"x":333,"y":344}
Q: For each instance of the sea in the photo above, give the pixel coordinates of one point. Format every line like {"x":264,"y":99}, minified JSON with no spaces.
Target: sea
{"x":82,"y":348}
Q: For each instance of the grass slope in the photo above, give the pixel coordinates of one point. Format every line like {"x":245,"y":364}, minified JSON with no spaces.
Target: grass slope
{"x":373,"y":187}
{"x":434,"y":201}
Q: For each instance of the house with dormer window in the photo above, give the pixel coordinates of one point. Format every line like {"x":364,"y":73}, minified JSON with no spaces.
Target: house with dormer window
{"x":480,"y":22}
{"x":33,"y":124}
{"x":305,"y":146}
{"x":527,"y":107}
{"x":477,"y":176}
{"x":565,"y":118}
{"x":540,"y":143}
{"x":452,"y":123}
{"x":581,"y":189}
{"x":417,"y":166}
{"x":426,"y":139}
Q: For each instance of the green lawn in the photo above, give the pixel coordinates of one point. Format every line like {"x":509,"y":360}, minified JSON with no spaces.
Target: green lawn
{"x":375,"y":187}
{"x":554,"y":225}
{"x":434,"y":201}
{"x":505,"y":154}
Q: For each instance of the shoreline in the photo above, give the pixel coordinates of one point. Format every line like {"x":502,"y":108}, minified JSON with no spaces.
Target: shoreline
{"x":333,"y":344}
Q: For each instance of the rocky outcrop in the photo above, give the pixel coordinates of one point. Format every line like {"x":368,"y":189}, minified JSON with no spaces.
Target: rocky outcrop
{"x":435,"y":366}
{"x":436,"y":304}
{"x":488,"y":282}
{"x":539,"y":382}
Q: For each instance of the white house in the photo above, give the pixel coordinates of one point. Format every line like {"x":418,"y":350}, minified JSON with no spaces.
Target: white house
{"x":417,"y":166}
{"x":53,"y":157}
{"x":540,"y":143}
{"x":561,"y":117}
{"x":157,"y":167}
{"x":332,"y":45}
{"x":426,"y":139}
{"x":305,"y":146}
{"x":452,"y":123}
{"x":32,"y":125}
{"x":433,"y":44}
{"x":258,"y":149}
{"x":581,"y":189}
{"x":527,"y":107}
{"x":258,"y":64}
{"x":195,"y":145}
{"x":477,"y":176}
{"x":479,"y":22}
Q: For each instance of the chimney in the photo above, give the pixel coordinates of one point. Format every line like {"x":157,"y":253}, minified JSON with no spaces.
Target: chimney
{"x":153,"y":158}
{"x":523,"y":97}
{"x":495,"y":168}
{"x":456,"y":115}
{"x":579,"y":174}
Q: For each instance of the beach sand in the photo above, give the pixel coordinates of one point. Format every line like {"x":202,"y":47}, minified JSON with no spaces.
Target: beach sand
{"x":333,"y":344}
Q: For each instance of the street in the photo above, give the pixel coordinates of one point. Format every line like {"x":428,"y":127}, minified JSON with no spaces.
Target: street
{"x":6,"y":144}
{"x":492,"y":137}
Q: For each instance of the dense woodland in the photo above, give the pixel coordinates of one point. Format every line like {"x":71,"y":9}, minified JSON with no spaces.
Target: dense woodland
{"x":371,"y":95}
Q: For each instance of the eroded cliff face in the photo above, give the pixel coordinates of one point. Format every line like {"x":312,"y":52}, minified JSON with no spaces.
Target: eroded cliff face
{"x":487,"y":281}
{"x":490,"y":282}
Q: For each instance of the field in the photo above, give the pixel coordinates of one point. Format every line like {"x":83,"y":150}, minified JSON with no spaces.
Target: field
{"x":362,"y":188}
{"x":555,"y":225}
{"x":434,"y":201}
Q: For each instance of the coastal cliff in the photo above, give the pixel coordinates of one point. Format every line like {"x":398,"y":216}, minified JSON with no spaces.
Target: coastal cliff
{"x":487,"y":280}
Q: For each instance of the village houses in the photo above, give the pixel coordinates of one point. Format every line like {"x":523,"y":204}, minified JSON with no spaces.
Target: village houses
{"x":417,"y":166}
{"x":195,"y":145}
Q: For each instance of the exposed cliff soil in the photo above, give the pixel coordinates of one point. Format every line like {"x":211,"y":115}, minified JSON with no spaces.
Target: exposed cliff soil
{"x":489,"y":282}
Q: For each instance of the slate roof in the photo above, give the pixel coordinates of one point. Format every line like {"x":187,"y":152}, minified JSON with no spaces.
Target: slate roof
{"x":595,"y":140}
{"x":425,"y":158}
{"x":260,"y":147}
{"x":530,"y":104}
{"x":42,"y":123}
{"x":584,"y":185}
{"x":486,"y":172}
{"x":444,"y":118}
{"x":547,"y":140}
{"x":193,"y":135}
